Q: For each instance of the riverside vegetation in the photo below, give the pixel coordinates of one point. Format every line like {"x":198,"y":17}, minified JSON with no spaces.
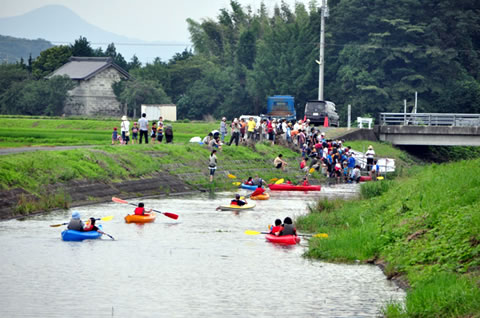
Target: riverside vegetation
{"x":423,"y":226}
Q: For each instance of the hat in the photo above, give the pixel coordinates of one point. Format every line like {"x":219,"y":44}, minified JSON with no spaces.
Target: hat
{"x":75,"y":215}
{"x":124,"y":117}
{"x":370,"y":147}
{"x":224,"y":118}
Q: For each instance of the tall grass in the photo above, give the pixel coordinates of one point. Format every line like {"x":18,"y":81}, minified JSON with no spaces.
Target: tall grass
{"x":425,"y":226}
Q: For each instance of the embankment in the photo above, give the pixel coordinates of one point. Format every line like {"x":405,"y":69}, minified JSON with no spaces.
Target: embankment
{"x":44,"y":180}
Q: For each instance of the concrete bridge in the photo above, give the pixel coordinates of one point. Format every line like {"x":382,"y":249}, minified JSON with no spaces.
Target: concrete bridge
{"x":429,"y":129}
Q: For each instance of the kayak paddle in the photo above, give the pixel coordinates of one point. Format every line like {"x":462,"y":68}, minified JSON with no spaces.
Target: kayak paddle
{"x":236,"y":183}
{"x":323,"y":235}
{"x":105,"y":218}
{"x":273,"y":179}
{"x":108,"y":235}
{"x":279,"y":181}
{"x":231,"y":176}
{"x":170,"y":215}
{"x":312,"y":170}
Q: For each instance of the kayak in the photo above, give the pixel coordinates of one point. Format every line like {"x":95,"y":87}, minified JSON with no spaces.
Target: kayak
{"x":147,"y":218}
{"x":73,"y":235}
{"x":365,"y":178}
{"x":248,"y":187}
{"x":263,"y":196}
{"x":291,"y":187}
{"x":283,"y":239}
{"x":237,"y":207}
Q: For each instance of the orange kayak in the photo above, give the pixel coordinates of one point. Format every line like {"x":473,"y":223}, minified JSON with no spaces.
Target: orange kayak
{"x":147,"y":218}
{"x":263,"y":196}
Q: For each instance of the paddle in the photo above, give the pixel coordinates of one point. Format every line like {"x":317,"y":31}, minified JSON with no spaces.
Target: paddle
{"x":107,"y":235}
{"x":236,"y":183}
{"x":322,"y":235}
{"x":312,"y":170}
{"x":231,"y":176}
{"x":273,"y":179}
{"x":105,"y":218}
{"x":380,"y":178}
{"x":170,"y":215}
{"x":279,"y":181}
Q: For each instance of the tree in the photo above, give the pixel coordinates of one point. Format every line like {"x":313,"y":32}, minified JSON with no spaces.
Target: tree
{"x":49,"y":60}
{"x":82,"y":48}
{"x":118,"y":59}
{"x":137,"y":92}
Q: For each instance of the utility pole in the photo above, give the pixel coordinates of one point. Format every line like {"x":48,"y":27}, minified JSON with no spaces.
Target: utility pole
{"x":323,"y":14}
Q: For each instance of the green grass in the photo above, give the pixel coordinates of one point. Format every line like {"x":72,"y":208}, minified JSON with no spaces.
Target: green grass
{"x":424,"y":226}
{"x":47,"y":131}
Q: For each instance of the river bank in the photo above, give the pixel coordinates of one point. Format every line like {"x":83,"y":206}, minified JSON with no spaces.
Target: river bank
{"x":422,"y":228}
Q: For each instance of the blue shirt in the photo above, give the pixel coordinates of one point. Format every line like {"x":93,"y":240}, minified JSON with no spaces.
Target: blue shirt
{"x":351,"y":162}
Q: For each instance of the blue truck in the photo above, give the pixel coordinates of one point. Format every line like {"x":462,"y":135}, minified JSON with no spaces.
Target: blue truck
{"x":281,"y":107}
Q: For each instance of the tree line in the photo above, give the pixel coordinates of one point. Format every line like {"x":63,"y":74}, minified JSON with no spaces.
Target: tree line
{"x":376,"y":55}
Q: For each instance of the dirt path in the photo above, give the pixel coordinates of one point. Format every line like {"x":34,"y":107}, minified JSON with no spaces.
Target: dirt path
{"x":9,"y":151}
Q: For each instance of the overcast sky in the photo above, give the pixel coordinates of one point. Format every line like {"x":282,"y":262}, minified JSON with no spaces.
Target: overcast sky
{"x":161,"y":20}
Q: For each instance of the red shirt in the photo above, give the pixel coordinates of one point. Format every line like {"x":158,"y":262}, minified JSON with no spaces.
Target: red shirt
{"x":139,"y":211}
{"x":276,"y":229}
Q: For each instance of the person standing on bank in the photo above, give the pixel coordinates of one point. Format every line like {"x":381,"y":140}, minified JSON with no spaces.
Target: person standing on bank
{"x":370,"y":154}
{"x":125,"y":129}
{"x":143,"y":127}
{"x":212,"y":164}
{"x":223,"y":129}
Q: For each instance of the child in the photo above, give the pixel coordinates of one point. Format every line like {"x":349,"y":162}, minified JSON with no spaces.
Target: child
{"x":153,"y":133}
{"x":275,"y":230}
{"x":305,"y":182}
{"x":134,"y":133}
{"x":249,"y":181}
{"x":140,"y":210}
{"x":237,"y":201}
{"x":345,"y":171}
{"x":114,"y":136}
{"x":160,"y":131}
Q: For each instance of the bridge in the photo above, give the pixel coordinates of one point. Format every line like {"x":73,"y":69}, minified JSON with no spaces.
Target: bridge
{"x":429,"y":129}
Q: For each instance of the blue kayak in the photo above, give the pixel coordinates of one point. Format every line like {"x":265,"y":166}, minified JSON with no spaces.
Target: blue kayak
{"x":248,"y":187}
{"x":72,"y":235}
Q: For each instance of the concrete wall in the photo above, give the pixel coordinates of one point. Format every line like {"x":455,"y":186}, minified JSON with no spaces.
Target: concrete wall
{"x":429,"y":135}
{"x":95,"y":96}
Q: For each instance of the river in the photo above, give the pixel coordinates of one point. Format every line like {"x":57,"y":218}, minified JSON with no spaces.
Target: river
{"x":201,"y":265}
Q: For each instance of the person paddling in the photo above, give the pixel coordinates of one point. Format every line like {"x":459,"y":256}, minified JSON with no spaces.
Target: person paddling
{"x":140,"y":210}
{"x":92,"y":227}
{"x":277,"y":228}
{"x":76,"y":223}
{"x":237,"y":201}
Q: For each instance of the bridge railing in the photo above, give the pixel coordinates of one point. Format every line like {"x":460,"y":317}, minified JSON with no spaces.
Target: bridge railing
{"x":430,"y":119}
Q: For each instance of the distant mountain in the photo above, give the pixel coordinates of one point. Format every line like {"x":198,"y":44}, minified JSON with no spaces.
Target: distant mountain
{"x":13,"y":49}
{"x":61,"y":25}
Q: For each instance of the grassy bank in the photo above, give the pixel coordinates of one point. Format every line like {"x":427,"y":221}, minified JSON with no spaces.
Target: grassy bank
{"x":35,"y":172}
{"x":424,"y":227}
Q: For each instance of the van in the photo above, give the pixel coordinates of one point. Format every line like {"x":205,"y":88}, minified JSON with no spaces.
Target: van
{"x":317,"y":110}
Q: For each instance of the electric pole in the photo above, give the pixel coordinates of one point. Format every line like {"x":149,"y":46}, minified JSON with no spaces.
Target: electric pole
{"x":323,"y":14}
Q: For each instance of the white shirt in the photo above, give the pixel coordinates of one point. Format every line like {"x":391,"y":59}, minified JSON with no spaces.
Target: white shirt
{"x":125,"y":125}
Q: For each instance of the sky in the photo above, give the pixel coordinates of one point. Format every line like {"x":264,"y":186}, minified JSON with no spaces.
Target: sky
{"x":161,"y":20}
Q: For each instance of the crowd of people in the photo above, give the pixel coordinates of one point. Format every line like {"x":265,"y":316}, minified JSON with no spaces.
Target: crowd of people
{"x":141,"y":131}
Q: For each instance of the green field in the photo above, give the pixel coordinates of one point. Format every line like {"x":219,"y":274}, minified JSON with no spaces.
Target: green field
{"x":44,"y":131}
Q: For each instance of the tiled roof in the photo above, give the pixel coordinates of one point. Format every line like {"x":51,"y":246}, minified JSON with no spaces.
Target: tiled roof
{"x":83,"y":68}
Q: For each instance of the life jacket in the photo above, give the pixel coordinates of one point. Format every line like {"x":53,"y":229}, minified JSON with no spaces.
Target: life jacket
{"x":306,"y":183}
{"x":89,"y":227}
{"x":233,"y":202}
{"x":276,"y":229}
{"x":139,"y":211}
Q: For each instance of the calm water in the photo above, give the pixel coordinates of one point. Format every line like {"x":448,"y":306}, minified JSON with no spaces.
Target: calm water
{"x":202,"y":265}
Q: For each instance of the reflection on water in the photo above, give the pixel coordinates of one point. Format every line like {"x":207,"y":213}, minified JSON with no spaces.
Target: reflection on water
{"x":201,"y":265}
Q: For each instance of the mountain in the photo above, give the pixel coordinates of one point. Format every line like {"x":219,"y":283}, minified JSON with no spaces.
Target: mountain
{"x":13,"y":49}
{"x":60,"y":25}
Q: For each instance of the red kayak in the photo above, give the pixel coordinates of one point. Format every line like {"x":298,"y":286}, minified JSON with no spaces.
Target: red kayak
{"x":291,"y":187}
{"x":283,"y":239}
{"x":365,"y":178}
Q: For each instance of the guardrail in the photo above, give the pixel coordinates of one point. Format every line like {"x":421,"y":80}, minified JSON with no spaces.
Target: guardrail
{"x":430,"y":119}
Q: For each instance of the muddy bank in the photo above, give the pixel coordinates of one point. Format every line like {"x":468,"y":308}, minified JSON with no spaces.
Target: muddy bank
{"x":77,"y":193}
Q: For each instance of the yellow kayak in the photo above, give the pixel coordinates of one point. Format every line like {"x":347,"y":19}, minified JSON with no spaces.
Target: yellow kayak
{"x":237,"y":207}
{"x":263,"y":196}
{"x":147,"y":218}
